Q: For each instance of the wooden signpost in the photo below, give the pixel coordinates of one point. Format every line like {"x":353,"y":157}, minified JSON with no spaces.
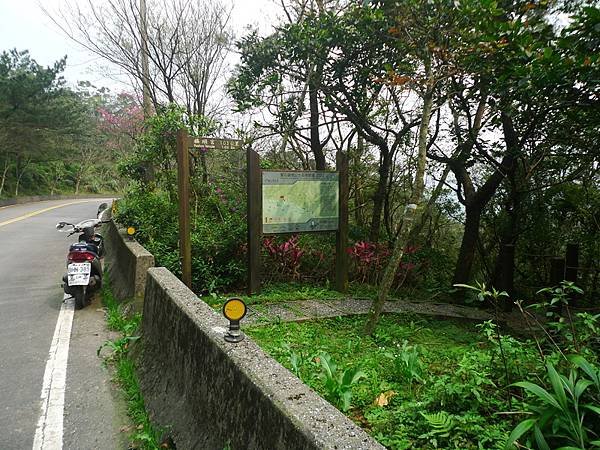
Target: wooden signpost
{"x":332,"y":196}
{"x":183,"y":182}
{"x":284,"y":202}
{"x":184,"y":144}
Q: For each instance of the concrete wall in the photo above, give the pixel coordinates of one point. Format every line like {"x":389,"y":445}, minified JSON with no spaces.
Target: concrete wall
{"x":211,"y":393}
{"x":126,"y":263}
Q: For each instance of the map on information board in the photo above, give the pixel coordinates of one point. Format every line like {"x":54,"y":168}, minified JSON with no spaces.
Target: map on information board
{"x":299,"y":201}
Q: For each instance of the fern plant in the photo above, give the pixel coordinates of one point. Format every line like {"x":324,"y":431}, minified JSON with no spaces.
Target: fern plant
{"x":441,"y":424}
{"x":338,"y":385}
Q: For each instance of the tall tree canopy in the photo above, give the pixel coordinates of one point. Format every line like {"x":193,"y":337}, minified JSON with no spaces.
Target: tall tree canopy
{"x":50,"y":135}
{"x":514,"y":101}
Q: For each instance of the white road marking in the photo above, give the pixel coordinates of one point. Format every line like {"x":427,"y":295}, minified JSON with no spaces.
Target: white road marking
{"x":49,"y":431}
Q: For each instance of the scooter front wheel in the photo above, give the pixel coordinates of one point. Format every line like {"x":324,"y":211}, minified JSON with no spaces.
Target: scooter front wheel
{"x":79,"y":296}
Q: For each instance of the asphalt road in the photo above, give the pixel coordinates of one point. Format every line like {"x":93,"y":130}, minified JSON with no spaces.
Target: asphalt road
{"x":32,"y":262}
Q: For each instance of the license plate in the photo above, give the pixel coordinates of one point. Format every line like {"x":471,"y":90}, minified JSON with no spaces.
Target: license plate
{"x":79,"y":274}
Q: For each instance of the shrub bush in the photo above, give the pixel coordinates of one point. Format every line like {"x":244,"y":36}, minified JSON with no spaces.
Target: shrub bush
{"x":217,"y":255}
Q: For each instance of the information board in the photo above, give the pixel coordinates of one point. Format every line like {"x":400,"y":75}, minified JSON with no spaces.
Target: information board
{"x":299,"y":201}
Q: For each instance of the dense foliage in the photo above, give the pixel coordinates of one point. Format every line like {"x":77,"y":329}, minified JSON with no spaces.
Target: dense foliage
{"x":418,"y":383}
{"x":471,"y":129}
{"x":150,"y":204}
{"x":427,"y":383}
{"x":54,"y":139}
{"x":512,"y":125}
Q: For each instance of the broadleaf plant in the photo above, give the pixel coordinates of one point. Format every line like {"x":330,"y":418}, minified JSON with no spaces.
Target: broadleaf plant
{"x":338,"y":385}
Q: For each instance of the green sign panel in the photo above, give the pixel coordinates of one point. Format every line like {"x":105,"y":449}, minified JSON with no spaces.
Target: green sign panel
{"x":299,"y":201}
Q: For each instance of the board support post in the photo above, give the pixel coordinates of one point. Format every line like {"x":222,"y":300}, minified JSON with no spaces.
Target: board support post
{"x":341,"y":241}
{"x":254,"y":220}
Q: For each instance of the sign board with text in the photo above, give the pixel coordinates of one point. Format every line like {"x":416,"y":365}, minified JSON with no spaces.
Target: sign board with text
{"x":296,"y":202}
{"x":216,"y":144}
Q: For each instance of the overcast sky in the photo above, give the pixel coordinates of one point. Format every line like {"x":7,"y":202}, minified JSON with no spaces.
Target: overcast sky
{"x":24,"y":26}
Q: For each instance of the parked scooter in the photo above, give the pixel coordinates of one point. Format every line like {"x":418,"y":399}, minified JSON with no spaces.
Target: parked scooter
{"x":84,"y":269}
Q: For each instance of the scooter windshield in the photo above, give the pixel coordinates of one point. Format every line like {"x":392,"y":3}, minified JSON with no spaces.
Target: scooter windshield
{"x":87,"y":223}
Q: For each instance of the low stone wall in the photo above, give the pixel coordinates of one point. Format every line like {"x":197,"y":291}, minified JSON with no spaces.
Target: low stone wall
{"x":43,"y":198}
{"x":211,"y":393}
{"x":126,"y":263}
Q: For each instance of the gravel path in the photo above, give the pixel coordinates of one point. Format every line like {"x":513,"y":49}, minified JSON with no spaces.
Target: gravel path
{"x":298,"y":311}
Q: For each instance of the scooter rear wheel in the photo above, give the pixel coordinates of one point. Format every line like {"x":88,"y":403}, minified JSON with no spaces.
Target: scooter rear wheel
{"x":79,"y":296}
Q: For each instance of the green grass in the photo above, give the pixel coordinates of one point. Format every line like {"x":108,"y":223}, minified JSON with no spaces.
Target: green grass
{"x":454,"y":376}
{"x":145,"y":435}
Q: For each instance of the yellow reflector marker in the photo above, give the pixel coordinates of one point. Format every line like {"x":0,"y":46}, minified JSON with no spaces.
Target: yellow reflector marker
{"x":130,"y":231}
{"x":234,"y":309}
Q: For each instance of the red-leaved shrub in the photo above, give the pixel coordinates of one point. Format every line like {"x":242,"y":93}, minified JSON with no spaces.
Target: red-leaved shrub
{"x":286,"y":256}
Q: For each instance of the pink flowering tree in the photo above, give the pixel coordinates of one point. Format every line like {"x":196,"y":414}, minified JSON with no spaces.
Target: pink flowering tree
{"x":120,"y":120}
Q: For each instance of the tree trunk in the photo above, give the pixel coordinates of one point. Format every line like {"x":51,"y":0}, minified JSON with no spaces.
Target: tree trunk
{"x":19,"y":174}
{"x":468,"y":246}
{"x":379,"y":196}
{"x":503,"y":276}
{"x":408,"y":220}
{"x":4,"y":174}
{"x":315,"y":140}
{"x":414,"y":234}
{"x":146,"y":101}
{"x":78,"y":178}
{"x":358,"y":194}
{"x":476,"y":201}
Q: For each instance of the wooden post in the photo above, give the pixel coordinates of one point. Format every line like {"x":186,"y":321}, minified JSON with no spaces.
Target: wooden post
{"x":254,"y":220}
{"x":183,"y":181}
{"x":571,"y":268}
{"x":572,"y":262}
{"x":341,"y":244}
{"x":557,"y":271}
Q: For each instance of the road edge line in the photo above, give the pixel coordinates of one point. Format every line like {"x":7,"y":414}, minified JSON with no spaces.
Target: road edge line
{"x":49,"y":430}
{"x":40,"y":211}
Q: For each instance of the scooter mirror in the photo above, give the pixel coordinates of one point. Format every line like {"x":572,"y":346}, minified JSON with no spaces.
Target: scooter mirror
{"x":101,"y":209}
{"x":60,"y":225}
